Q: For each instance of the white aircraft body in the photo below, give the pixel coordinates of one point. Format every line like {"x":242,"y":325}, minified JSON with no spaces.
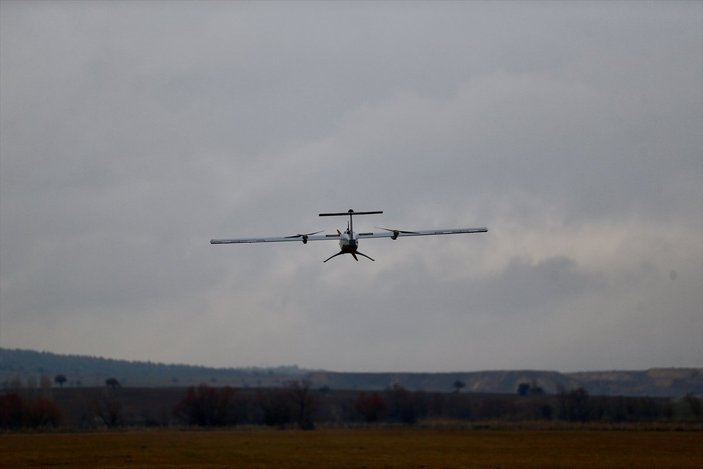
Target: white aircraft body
{"x":349,"y":240}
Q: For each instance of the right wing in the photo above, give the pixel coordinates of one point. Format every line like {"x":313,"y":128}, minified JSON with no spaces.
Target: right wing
{"x":394,"y":234}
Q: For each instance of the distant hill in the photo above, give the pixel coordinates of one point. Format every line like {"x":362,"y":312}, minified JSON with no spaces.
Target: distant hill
{"x":25,"y":368}
{"x":18,"y":367}
{"x":657,"y":382}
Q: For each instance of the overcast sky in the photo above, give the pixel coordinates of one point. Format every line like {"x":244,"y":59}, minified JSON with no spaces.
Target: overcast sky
{"x":133,"y":132}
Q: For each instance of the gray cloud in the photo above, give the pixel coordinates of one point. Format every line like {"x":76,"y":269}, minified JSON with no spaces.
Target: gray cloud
{"x":133,"y":133}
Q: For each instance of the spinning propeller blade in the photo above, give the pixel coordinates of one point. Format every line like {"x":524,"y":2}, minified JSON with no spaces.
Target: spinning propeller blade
{"x":304,"y":236}
{"x":300,"y":235}
{"x":396,"y":233}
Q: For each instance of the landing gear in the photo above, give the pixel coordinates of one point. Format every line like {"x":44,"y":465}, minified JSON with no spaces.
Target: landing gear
{"x":353,"y":253}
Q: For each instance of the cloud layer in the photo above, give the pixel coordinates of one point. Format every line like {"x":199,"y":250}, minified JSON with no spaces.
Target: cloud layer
{"x":131,"y":134}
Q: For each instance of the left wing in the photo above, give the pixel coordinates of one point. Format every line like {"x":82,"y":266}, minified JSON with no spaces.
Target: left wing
{"x":279,"y":239}
{"x":395,"y":234}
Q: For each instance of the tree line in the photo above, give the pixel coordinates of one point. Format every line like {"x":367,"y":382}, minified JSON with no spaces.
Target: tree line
{"x":297,"y":405}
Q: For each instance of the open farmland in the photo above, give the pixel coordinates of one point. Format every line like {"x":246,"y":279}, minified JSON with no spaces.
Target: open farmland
{"x":355,"y":448}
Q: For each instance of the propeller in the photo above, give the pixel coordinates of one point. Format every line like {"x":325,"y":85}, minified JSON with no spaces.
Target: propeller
{"x":397,"y":233}
{"x":304,"y":236}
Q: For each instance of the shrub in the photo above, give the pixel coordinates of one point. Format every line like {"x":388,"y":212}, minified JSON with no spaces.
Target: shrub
{"x":16,"y":412}
{"x":371,"y":407}
{"x":206,"y":406}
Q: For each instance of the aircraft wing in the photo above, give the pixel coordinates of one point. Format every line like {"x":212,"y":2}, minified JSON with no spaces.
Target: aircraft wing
{"x":394,"y":234}
{"x":279,"y":239}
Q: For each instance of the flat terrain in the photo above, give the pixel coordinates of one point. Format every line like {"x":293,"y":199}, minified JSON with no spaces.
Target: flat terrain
{"x":362,"y":448}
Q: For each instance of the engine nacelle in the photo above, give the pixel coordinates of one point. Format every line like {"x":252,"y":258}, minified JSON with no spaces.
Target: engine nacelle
{"x":395,"y":235}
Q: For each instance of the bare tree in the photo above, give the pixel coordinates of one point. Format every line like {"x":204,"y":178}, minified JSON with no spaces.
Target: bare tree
{"x":304,"y":404}
{"x":275,"y":407}
{"x":574,"y":405}
{"x":208,"y":406}
{"x":403,"y":405}
{"x":108,"y":409}
{"x":60,"y":379}
{"x":112,"y":383}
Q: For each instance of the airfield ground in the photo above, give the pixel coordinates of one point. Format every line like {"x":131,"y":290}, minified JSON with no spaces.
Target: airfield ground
{"x":384,"y":447}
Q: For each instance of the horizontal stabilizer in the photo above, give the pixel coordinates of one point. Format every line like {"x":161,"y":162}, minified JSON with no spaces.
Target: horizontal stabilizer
{"x":350,"y":212}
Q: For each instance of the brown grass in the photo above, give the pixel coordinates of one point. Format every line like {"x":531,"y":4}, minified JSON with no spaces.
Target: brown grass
{"x":356,"y":448}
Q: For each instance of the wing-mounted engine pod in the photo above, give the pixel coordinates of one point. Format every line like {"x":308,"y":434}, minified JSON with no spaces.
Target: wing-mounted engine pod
{"x":396,"y":233}
{"x":305,"y":239}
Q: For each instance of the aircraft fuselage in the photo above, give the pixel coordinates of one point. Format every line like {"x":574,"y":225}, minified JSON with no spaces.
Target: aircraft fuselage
{"x":348,"y":242}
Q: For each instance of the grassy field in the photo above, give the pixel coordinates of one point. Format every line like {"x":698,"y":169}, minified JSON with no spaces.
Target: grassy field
{"x":360,"y":448}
